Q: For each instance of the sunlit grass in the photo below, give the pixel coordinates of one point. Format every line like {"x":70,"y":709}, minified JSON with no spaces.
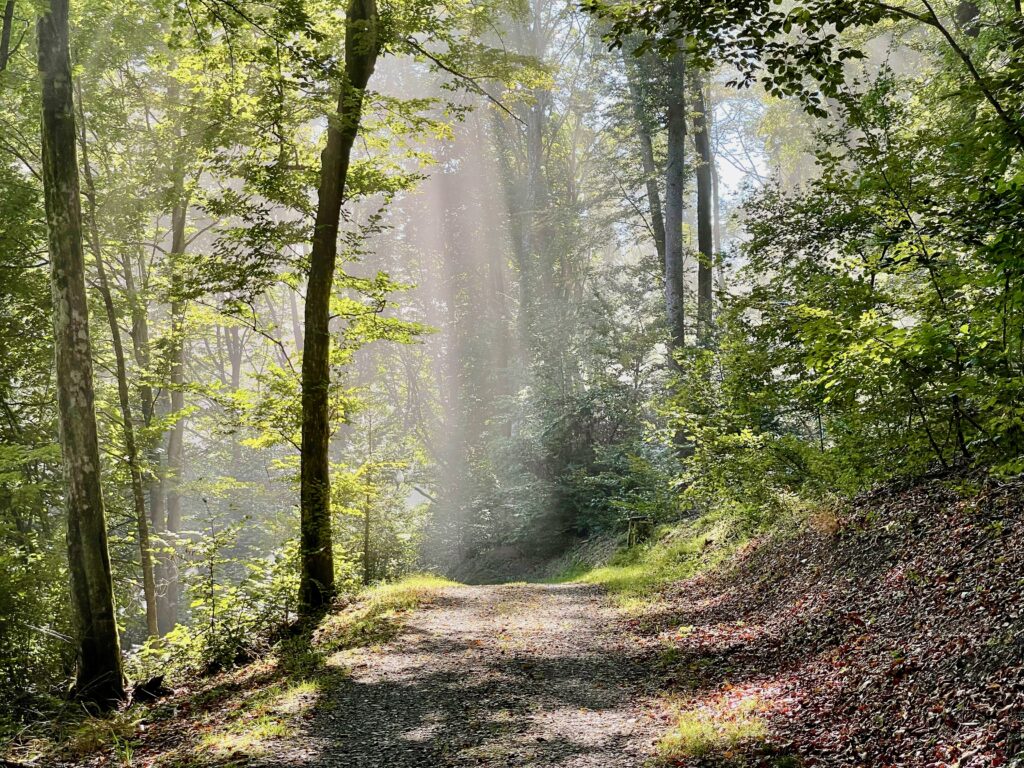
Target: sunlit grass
{"x":635,"y":576}
{"x":248,"y":736}
{"x":297,"y":697}
{"x":718,"y":729}
{"x":373,"y":618}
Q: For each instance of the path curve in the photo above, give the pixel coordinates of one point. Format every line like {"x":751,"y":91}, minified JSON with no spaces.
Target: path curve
{"x":511,"y":675}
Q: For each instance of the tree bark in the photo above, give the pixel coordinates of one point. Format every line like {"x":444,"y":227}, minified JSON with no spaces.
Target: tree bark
{"x":124,"y":399}
{"x":99,"y":677}
{"x":643,"y":128}
{"x":154,"y":479}
{"x":966,"y":15}
{"x":296,"y":324}
{"x":5,"y":35}
{"x":171,"y":588}
{"x":675,"y":183}
{"x":316,"y":583}
{"x":235,"y":345}
{"x":367,"y":574}
{"x":705,"y":212}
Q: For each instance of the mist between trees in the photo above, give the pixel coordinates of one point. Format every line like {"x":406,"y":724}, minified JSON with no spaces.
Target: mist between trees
{"x":298,"y":297}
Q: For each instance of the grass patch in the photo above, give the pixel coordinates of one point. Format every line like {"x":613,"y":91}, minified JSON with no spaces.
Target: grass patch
{"x":635,"y":576}
{"x":375,"y":617}
{"x":248,"y":738}
{"x":718,"y":730}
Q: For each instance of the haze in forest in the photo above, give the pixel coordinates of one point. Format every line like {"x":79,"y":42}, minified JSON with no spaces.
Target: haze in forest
{"x":311,"y":311}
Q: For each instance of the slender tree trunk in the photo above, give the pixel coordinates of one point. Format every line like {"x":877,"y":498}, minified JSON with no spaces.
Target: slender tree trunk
{"x":5,"y":35}
{"x":705,"y":211}
{"x":675,"y":184}
{"x":235,"y":349}
{"x":643,"y":128}
{"x":99,"y":677}
{"x":154,"y":479}
{"x":124,"y":399}
{"x":296,"y":323}
{"x":367,"y":574}
{"x":715,"y":197}
{"x":316,"y":584}
{"x":171,"y":592}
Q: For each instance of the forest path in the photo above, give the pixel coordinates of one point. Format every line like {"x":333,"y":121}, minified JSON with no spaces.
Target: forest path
{"x":511,"y":675}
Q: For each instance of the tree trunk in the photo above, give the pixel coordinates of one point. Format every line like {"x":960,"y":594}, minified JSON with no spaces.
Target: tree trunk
{"x":124,"y":400}
{"x":99,"y":676}
{"x":367,"y":574}
{"x":675,"y":183}
{"x":154,"y":479}
{"x":235,"y":347}
{"x":705,"y":211}
{"x":643,"y":128}
{"x":5,"y":35}
{"x":171,"y":588}
{"x":296,"y":324}
{"x":316,"y":584}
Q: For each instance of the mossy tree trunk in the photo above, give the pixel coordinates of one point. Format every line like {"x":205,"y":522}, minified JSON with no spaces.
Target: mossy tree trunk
{"x":99,"y":676}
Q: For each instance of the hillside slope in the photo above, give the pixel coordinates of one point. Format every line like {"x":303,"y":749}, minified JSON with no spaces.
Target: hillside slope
{"x":888,"y":635}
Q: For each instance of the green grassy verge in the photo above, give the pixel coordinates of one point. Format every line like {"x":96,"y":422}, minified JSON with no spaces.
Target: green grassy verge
{"x":635,"y":577}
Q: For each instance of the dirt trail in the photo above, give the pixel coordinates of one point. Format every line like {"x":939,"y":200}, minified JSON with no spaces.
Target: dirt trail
{"x":518,"y":675}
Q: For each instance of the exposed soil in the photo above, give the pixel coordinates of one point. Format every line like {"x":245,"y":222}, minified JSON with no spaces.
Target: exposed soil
{"x":514,"y":675}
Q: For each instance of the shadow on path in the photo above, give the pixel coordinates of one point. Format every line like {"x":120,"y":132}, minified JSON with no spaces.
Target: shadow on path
{"x":518,"y":675}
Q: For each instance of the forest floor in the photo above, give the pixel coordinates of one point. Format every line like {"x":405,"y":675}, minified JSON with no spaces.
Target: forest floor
{"x":886,"y":633}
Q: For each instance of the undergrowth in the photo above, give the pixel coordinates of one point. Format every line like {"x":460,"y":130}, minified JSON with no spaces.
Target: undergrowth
{"x":213,"y":720}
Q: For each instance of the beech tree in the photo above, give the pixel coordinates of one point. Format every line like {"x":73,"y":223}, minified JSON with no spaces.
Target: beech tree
{"x":362,"y":45}
{"x":99,"y":677}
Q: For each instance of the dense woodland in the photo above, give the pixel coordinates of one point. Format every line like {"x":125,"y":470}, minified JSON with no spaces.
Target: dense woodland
{"x":305,"y":296}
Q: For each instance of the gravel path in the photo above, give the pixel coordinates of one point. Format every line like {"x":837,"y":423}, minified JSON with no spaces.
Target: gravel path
{"x":517,"y":675}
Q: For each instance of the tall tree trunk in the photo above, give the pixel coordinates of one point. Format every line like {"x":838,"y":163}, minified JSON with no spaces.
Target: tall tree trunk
{"x":171,"y":589}
{"x":716,"y":202}
{"x":316,"y":583}
{"x":99,"y":677}
{"x":675,"y":184}
{"x":705,"y":211}
{"x":235,"y":347}
{"x":643,"y":128}
{"x":367,"y":574}
{"x":5,"y":35}
{"x":296,"y":323}
{"x":124,"y":399}
{"x":154,"y":479}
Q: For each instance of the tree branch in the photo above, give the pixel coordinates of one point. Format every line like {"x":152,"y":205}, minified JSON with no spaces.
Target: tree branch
{"x":472,"y":82}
